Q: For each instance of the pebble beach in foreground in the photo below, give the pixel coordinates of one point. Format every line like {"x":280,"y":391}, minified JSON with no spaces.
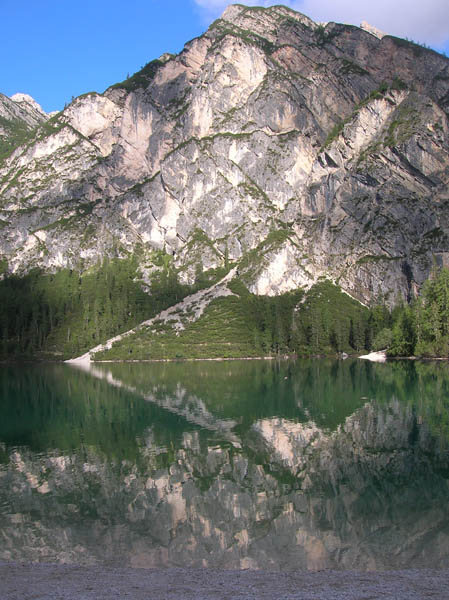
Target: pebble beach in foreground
{"x":20,"y":581}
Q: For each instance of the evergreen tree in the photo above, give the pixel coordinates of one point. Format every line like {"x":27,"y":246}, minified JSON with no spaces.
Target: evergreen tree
{"x":403,"y":334}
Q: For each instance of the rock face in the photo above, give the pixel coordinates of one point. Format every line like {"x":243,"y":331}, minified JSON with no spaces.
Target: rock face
{"x":306,"y":150}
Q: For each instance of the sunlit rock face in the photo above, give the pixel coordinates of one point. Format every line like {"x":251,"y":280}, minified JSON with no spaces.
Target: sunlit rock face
{"x":326,"y":148}
{"x":282,"y":494}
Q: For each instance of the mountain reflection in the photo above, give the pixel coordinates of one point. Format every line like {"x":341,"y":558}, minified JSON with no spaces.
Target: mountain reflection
{"x":246,"y":464}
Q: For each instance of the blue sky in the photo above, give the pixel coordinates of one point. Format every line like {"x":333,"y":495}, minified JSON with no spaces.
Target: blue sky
{"x":56,"y":49}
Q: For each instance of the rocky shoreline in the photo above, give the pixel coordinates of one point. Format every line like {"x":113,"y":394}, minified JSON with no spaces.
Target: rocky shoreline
{"x":22,"y":581}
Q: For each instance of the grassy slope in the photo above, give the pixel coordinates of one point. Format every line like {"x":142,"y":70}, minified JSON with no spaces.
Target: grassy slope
{"x":245,"y":325}
{"x":222,"y":331}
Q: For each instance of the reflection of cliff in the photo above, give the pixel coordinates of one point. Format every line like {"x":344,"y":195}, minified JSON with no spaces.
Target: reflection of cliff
{"x":371,"y":494}
{"x":374,"y":491}
{"x":179,"y":402}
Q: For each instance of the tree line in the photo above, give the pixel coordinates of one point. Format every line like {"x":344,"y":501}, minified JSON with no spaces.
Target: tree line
{"x":421,"y":328}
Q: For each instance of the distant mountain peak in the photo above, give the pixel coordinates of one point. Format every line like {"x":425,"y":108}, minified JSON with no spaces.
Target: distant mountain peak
{"x":27,"y":99}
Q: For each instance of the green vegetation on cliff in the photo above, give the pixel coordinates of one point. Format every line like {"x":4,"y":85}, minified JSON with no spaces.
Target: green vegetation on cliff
{"x":242,"y":325}
{"x":323,"y":321}
{"x":142,"y":78}
{"x":16,"y":133}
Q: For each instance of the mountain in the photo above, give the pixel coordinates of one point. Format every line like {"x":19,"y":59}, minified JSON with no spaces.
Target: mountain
{"x":290,"y":150}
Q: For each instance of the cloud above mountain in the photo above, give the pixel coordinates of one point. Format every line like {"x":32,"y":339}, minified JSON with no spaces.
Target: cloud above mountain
{"x":420,"y":21}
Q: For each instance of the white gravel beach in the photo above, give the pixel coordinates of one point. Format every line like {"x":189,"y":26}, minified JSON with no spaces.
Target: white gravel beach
{"x":20,"y":581}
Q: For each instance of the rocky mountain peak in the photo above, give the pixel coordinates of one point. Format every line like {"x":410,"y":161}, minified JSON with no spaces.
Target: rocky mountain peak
{"x":27,"y":102}
{"x":232,"y":12}
{"x":23,"y":108}
{"x":291,"y":149}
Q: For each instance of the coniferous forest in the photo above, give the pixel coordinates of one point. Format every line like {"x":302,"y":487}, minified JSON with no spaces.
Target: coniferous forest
{"x":61,"y":315}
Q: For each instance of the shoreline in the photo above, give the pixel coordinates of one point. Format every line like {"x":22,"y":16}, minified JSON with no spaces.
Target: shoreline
{"x":283,"y":357}
{"x":73,"y":582}
{"x":166,"y":360}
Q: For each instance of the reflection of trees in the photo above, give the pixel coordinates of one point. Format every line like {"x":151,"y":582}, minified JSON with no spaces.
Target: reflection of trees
{"x":59,"y":408}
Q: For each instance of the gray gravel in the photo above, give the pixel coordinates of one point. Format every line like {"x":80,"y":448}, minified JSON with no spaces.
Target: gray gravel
{"x":19,"y":581}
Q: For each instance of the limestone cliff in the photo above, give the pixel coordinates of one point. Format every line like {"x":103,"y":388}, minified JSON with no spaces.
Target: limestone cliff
{"x":305,"y":150}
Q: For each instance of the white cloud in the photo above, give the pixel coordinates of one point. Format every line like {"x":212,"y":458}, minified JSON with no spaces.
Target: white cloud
{"x":421,"y":20}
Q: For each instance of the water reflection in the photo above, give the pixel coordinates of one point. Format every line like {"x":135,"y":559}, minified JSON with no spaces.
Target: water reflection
{"x":292,"y":465}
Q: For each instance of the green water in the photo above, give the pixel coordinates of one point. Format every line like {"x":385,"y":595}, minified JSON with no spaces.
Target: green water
{"x":242,"y":464}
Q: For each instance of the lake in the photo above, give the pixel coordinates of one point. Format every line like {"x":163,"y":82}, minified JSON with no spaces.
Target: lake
{"x":289,"y":465}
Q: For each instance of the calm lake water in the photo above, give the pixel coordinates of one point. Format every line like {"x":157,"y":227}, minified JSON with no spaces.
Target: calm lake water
{"x":247,"y":464}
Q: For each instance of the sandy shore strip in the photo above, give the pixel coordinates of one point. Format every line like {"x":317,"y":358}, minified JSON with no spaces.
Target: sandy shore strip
{"x":21,"y":581}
